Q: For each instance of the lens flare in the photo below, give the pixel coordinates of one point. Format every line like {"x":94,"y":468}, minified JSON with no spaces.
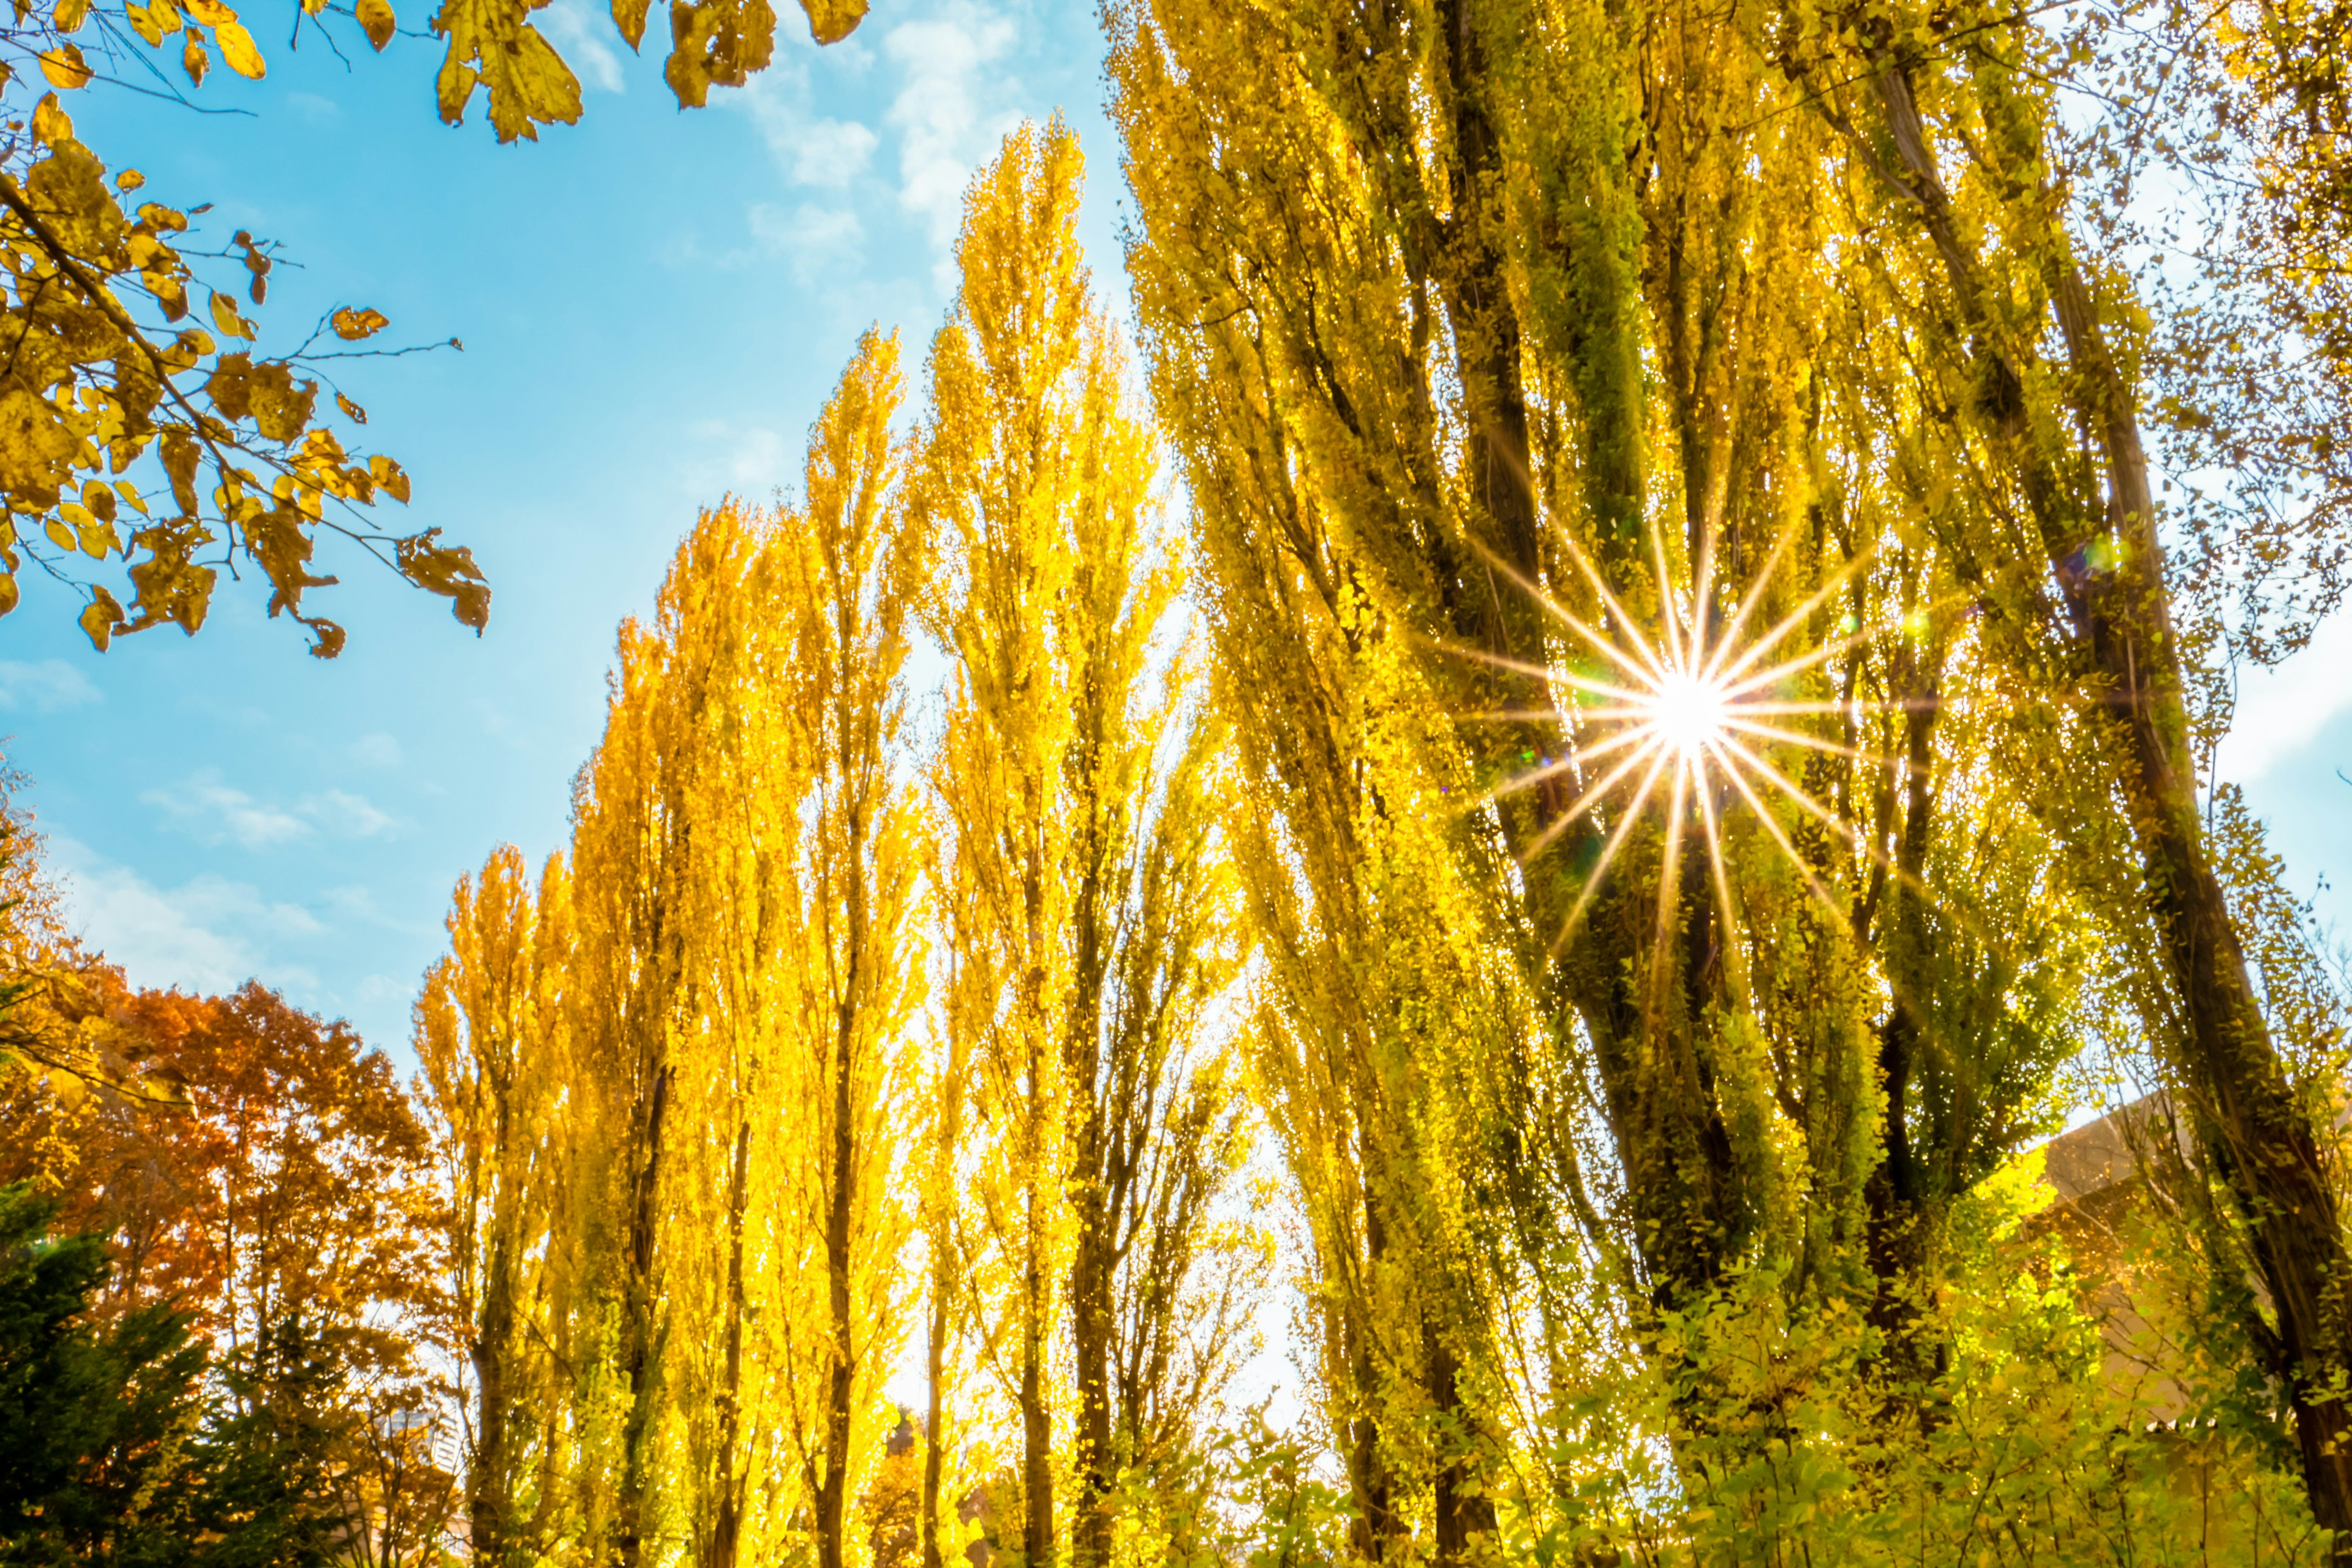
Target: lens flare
{"x":1674,"y":729}
{"x":1689,"y":713}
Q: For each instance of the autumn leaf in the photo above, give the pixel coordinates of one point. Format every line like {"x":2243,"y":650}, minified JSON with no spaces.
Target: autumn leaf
{"x":71,"y":14}
{"x":51,"y":127}
{"x":446,"y":570}
{"x":194,"y":60}
{"x":101,"y":618}
{"x":64,"y":68}
{"x":493,"y":43}
{"x":830,"y":21}
{"x":377,"y":22}
{"x":351,"y":411}
{"x":719,"y":42}
{"x":237,"y":48}
{"x":354,"y":325}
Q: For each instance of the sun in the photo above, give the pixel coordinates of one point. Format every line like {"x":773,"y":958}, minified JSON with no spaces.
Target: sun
{"x":1680,"y":728}
{"x":1689,"y":713}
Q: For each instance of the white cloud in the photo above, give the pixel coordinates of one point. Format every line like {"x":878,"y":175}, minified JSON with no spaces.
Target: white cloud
{"x":746,"y":460}
{"x":207,"y":934}
{"x":346,"y":816}
{"x":581,"y":35}
{"x":215,"y":813}
{"x":944,"y":118}
{"x":45,"y":687}
{"x":811,"y":149}
{"x":2281,"y":708}
{"x":809,"y":236}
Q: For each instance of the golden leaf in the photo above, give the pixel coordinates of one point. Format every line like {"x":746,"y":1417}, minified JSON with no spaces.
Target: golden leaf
{"x":35,"y":446}
{"x":7,"y":592}
{"x":629,"y":15}
{"x":195,"y":61}
{"x":830,"y":21}
{"x":71,"y":14}
{"x":720,"y":42}
{"x":351,"y":411}
{"x":128,"y":180}
{"x":51,"y":124}
{"x":377,"y":22}
{"x":63,"y":66}
{"x":59,"y":534}
{"x":354,"y":325}
{"x":238,"y":49}
{"x":225,"y":318}
{"x":98,"y":541}
{"x":493,"y":42}
{"x":144,"y":21}
{"x":100,"y":619}
{"x":388,"y":474}
{"x":211,"y":12}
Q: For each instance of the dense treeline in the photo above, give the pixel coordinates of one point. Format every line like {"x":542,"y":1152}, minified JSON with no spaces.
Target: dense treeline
{"x":1559,"y":770}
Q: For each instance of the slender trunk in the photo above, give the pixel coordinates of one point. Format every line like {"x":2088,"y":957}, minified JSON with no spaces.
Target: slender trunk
{"x":637,"y":1328}
{"x":490,"y":1516}
{"x":833,"y":1489}
{"x":727,"y":1528}
{"x":1897,"y":1195}
{"x":1036,"y":1416}
{"x":2259,"y":1135}
{"x":1464,"y":1511}
{"x":935,"y":1353}
{"x":1090,"y":1534}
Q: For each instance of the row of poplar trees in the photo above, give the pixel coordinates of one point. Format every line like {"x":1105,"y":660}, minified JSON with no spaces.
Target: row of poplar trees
{"x":828,"y":1045}
{"x":1648,"y":1160}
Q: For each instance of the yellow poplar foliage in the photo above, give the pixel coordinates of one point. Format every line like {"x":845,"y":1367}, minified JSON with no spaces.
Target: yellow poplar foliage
{"x":680,"y":1087}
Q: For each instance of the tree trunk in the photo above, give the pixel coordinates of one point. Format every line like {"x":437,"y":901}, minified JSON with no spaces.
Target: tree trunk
{"x":637,"y":1328}
{"x":832,"y":1488}
{"x":2258,"y":1134}
{"x":728,"y":1526}
{"x":490,"y":1516}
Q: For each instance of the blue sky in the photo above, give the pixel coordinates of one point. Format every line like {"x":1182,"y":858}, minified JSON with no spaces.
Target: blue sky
{"x":652,"y":305}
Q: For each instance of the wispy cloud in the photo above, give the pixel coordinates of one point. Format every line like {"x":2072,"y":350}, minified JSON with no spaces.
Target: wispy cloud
{"x":206,"y":934}
{"x":748,"y":460}
{"x":45,"y":686}
{"x":809,"y":238}
{"x":217,"y":812}
{"x":952,"y":108}
{"x":584,"y":37}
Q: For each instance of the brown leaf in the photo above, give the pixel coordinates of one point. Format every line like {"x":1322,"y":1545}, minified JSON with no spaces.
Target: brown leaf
{"x":351,"y":411}
{"x":377,"y":22}
{"x":354,"y":325}
{"x":448,"y":570}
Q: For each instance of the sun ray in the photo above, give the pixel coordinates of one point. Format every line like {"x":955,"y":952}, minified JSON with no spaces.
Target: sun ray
{"x":1609,"y":853}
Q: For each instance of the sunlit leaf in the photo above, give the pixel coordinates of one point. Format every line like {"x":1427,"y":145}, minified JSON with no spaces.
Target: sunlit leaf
{"x":64,"y":68}
{"x":377,"y":22}
{"x":493,"y":42}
